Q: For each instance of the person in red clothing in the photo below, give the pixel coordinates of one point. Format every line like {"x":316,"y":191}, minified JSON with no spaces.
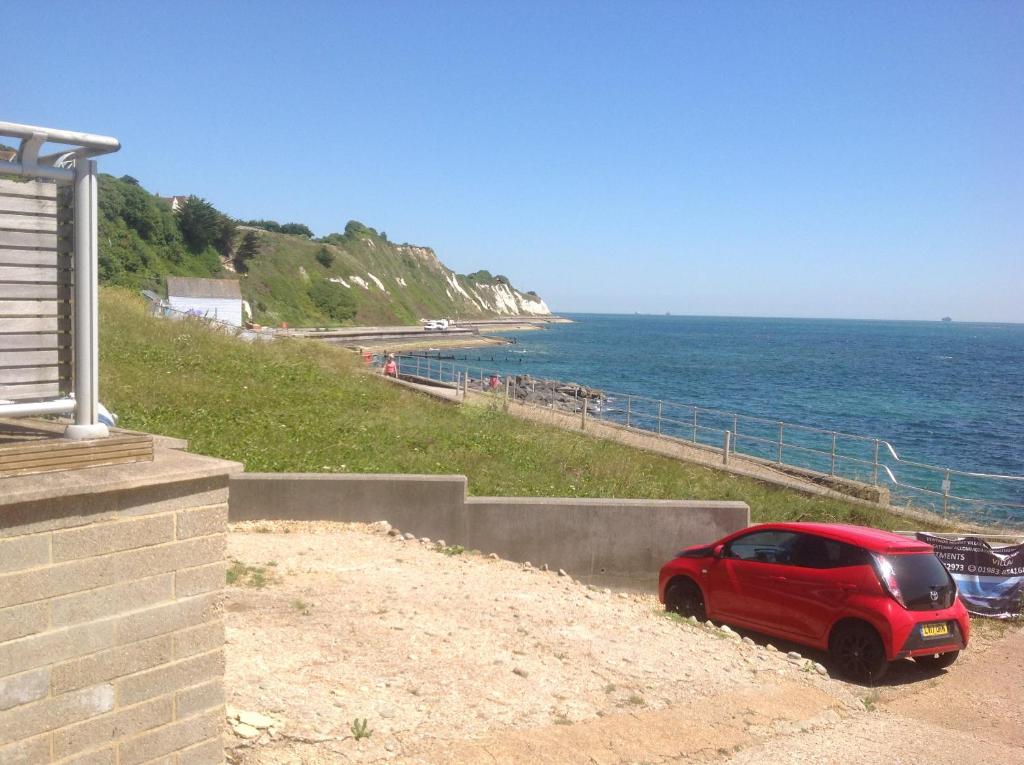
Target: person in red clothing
{"x":494,"y":382}
{"x":390,"y":367}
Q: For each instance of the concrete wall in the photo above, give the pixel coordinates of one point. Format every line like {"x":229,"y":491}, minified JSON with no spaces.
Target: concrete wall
{"x":111,"y":635}
{"x":617,"y":541}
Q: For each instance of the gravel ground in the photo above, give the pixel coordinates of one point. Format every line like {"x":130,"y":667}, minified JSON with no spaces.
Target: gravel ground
{"x":465,"y":659}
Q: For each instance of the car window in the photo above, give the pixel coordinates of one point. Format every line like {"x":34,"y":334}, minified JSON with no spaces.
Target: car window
{"x":763,"y":546}
{"x":818,"y":552}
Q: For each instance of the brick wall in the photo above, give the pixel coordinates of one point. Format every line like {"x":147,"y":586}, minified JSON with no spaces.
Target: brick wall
{"x":111,"y":634}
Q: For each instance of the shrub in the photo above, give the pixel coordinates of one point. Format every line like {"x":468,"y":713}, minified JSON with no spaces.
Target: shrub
{"x":325,"y":257}
{"x":333,"y":300}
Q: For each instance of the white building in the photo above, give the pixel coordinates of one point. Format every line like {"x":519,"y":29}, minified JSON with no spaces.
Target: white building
{"x":218,"y":299}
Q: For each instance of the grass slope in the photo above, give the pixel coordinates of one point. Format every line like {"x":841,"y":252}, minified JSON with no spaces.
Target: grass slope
{"x":297,"y":405}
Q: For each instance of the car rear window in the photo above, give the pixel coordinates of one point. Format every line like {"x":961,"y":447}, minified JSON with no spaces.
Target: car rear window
{"x":917,"y":574}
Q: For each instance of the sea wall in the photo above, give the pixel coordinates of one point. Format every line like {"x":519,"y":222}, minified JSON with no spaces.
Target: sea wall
{"x":614,"y":541}
{"x":111,"y":634}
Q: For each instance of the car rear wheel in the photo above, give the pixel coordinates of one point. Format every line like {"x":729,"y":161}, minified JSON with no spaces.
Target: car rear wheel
{"x":683,"y":597}
{"x":937,"y":661}
{"x":858,"y":653}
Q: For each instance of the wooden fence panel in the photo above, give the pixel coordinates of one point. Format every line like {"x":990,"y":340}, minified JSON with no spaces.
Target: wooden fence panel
{"x":35,"y":291}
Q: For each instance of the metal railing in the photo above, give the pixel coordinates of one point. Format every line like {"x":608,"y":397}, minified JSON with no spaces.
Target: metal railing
{"x":816,"y":452}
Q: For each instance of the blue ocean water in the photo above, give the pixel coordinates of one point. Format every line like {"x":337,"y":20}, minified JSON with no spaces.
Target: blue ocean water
{"x":943,"y":393}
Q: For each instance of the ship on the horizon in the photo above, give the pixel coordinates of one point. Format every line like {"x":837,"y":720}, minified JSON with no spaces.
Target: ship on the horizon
{"x":946,"y":318}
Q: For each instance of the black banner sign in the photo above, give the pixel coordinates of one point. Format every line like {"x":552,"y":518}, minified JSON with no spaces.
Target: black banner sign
{"x":991,"y":579}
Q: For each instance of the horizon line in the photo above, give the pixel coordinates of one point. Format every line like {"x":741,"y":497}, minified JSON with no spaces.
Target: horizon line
{"x":799,"y":318}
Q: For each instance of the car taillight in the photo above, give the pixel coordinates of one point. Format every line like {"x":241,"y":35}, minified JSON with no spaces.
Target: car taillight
{"x":887,"y":576}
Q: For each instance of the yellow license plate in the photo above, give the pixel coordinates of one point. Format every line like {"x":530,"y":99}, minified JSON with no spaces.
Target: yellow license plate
{"x":934,"y":630}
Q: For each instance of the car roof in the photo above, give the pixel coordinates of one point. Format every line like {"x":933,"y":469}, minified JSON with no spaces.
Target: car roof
{"x":875,"y":540}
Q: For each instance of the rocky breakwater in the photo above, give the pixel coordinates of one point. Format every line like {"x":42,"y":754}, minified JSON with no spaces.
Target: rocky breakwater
{"x":553,"y":394}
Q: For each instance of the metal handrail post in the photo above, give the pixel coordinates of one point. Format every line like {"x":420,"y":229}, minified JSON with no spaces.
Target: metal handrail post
{"x":583,"y":415}
{"x":86,"y":338}
{"x":945,"y":493}
{"x":629,"y":408}
{"x":695,"y":424}
{"x":833,"y":453}
{"x":874,"y":467}
{"x":782,"y":428}
{"x":660,"y":405}
{"x":725,"y":447}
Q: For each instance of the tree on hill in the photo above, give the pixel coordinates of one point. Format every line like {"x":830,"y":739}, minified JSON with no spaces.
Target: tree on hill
{"x":266,"y":225}
{"x":247,"y":250}
{"x":355,"y":228}
{"x":199,"y":222}
{"x":299,"y":229}
{"x":224,"y":241}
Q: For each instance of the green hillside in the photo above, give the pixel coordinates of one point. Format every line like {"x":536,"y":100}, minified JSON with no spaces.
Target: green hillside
{"x":356,"y":276}
{"x":304,"y":405}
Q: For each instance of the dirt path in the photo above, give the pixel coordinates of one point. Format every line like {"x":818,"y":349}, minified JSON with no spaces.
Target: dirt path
{"x":465,"y":659}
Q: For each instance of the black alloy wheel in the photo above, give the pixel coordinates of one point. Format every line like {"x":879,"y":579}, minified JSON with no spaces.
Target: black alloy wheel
{"x":937,"y":661}
{"x":684,"y":597}
{"x":857,"y":653}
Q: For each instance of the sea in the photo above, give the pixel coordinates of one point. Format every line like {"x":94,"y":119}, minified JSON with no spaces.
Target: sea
{"x":943,"y":393}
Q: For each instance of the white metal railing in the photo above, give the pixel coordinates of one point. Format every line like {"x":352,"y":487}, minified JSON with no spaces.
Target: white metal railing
{"x":982,"y":497}
{"x":72,"y":166}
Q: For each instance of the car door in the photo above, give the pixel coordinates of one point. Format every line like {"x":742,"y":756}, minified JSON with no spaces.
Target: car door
{"x":743,"y":584}
{"x":822,"y":577}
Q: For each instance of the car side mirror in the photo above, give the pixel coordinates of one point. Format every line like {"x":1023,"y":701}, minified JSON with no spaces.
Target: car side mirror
{"x":717,"y":552}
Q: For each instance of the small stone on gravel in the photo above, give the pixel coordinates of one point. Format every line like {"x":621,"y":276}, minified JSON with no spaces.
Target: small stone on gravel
{"x":793,"y":655}
{"x":493,"y":556}
{"x":747,"y":641}
{"x":820,"y":669}
{"x":561,"y":572}
{"x":425,"y":540}
{"x":520,"y":671}
{"x":393,"y":532}
{"x":441,"y":543}
{"x":255,"y":719}
{"x":245,"y":731}
{"x":408,"y":535}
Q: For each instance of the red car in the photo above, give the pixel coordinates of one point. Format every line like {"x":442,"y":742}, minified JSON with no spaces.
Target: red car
{"x":868,"y":597}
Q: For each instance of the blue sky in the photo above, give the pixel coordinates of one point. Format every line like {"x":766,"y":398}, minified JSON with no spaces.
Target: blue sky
{"x":861,"y":160}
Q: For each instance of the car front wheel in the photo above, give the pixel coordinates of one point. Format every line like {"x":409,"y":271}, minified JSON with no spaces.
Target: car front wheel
{"x":937,"y":661}
{"x":683,"y":597}
{"x":857,"y":652}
